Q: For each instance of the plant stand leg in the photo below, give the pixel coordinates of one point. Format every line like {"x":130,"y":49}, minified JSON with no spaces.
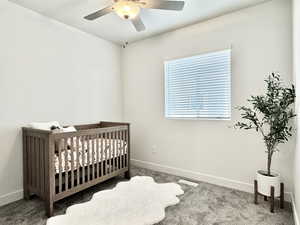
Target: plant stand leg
{"x":272,"y":199}
{"x":255,"y":192}
{"x":281,"y":195}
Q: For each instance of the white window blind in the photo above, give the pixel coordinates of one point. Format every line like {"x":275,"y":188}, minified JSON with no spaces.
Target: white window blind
{"x":199,"y":86}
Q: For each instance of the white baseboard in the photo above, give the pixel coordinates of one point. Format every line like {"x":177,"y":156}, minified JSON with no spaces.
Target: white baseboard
{"x":17,"y":195}
{"x":296,"y":218}
{"x":220,"y":181}
{"x":11,"y":197}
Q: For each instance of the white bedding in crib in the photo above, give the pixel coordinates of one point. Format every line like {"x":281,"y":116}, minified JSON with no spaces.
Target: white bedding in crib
{"x":106,"y":149}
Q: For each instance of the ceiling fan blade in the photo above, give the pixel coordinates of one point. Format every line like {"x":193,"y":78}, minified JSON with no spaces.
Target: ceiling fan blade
{"x":167,"y":5}
{"x":138,"y":24}
{"x":99,"y":13}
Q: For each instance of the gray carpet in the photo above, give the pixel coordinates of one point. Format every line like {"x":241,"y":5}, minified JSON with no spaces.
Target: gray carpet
{"x":206,"y":204}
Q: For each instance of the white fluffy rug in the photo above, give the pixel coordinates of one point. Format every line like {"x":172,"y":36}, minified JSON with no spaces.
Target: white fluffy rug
{"x":139,"y":201}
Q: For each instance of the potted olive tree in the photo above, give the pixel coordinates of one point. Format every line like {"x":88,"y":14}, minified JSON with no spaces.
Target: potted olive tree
{"x":270,"y":115}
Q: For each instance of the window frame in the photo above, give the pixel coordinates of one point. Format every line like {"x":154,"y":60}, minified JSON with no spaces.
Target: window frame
{"x":180,"y":117}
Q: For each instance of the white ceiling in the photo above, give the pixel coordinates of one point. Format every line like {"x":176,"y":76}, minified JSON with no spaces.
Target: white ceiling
{"x":113,"y":28}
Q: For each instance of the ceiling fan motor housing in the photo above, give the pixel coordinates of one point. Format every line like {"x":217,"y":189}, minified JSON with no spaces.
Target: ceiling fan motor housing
{"x":127,"y":9}
{"x":130,"y":10}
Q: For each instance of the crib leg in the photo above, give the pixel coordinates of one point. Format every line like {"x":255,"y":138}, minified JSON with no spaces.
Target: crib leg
{"x":26,"y":194}
{"x":127,"y":175}
{"x":49,"y":209}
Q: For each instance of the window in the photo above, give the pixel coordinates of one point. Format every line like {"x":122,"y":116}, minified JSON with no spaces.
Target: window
{"x":199,"y":86}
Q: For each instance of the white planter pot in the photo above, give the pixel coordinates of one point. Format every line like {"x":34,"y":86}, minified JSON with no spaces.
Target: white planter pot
{"x":264,"y":183}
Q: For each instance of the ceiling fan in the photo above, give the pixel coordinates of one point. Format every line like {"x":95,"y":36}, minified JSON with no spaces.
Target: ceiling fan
{"x":130,"y":10}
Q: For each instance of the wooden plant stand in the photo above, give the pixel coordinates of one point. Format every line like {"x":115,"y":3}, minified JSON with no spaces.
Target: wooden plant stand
{"x":272,"y":197}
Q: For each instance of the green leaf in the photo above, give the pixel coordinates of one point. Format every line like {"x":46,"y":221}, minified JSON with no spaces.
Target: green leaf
{"x":270,"y":113}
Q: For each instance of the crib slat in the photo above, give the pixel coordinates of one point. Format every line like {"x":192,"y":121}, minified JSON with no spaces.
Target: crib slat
{"x":32,"y":160}
{"x":120,"y":155}
{"x":39,"y":165}
{"x":34,"y":163}
{"x":38,"y":180}
{"x":97,"y":154}
{"x":57,"y":145}
{"x":88,"y":158}
{"x":123,"y":149}
{"x":65,"y":148}
{"x":77,"y":160}
{"x":93,"y":158}
{"x":28,"y":139}
{"x":101,"y":153}
{"x":37,"y":156}
{"x":120,"y":150}
{"x":117,"y":150}
{"x":83,"y":159}
{"x":127,"y":146}
{"x":110,"y":151}
{"x":113,"y":150}
{"x":42,"y":166}
{"x":72,"y":161}
{"x":105,"y":153}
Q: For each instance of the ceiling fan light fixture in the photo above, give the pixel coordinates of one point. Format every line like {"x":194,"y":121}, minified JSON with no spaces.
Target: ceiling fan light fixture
{"x":126,"y":9}
{"x":130,"y":10}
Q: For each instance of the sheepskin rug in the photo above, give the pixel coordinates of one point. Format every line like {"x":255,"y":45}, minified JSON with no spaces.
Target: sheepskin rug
{"x":139,"y":201}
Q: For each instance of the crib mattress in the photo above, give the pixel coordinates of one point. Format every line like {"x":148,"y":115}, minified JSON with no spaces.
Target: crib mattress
{"x":106,"y":149}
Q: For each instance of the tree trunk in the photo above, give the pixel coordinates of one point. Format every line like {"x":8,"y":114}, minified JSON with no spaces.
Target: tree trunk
{"x":269,"y":162}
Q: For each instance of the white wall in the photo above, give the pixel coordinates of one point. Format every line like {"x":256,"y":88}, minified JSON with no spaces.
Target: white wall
{"x":261,"y":38}
{"x":296,"y":38}
{"x":49,"y":71}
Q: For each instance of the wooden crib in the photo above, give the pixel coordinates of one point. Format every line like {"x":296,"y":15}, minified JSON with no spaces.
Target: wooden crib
{"x":57,"y":165}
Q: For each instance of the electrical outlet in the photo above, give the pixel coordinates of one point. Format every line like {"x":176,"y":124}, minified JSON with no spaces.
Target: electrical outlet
{"x":154,"y":149}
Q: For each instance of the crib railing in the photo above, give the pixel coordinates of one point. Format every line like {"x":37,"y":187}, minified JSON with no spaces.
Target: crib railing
{"x":86,"y":158}
{"x":57,"y":165}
